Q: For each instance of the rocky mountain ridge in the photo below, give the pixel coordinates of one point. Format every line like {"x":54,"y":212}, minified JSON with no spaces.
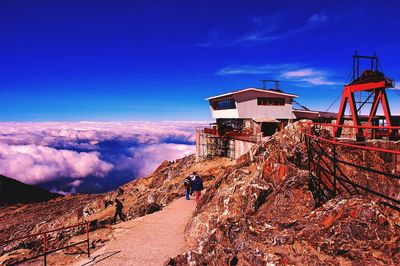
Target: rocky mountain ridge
{"x":13,"y":192}
{"x":264,"y":211}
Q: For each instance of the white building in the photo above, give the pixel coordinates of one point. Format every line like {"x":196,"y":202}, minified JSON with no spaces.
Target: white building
{"x":245,"y":117}
{"x":253,"y":103}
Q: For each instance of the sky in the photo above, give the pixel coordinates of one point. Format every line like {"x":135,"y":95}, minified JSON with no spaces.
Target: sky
{"x":158,"y":60}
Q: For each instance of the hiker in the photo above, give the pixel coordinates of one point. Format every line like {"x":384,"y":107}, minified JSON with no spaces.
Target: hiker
{"x":120,"y":192}
{"x":118,"y":211}
{"x":197,"y":186}
{"x":187,"y":183}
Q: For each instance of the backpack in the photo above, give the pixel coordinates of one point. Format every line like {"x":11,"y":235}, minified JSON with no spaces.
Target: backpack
{"x":187,"y":182}
{"x":198,"y":183}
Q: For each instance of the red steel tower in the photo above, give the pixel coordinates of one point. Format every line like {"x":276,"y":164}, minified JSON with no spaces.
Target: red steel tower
{"x":374,"y":83}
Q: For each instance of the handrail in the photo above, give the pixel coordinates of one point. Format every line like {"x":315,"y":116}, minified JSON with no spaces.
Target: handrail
{"x":232,"y":134}
{"x":355,"y":126}
{"x":45,"y":241}
{"x":332,"y":170}
{"x":353,"y":145}
{"x":335,"y":141}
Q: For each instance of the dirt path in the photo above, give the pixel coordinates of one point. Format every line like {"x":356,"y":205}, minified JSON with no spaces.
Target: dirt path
{"x":148,"y":240}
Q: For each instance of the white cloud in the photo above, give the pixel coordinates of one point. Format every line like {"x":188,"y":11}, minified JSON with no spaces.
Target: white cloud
{"x":253,"y":69}
{"x":285,"y":72}
{"x":149,"y":157}
{"x":35,"y":164}
{"x":75,"y":183}
{"x":318,"y":18}
{"x":308,"y":75}
{"x":267,"y":29}
{"x":51,"y":151}
{"x":306,"y":72}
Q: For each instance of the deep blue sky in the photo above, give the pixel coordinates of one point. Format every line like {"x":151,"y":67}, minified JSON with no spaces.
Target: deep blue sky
{"x":157,"y":60}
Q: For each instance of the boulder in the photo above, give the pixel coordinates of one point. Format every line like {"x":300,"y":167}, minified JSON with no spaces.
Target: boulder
{"x":152,"y":207}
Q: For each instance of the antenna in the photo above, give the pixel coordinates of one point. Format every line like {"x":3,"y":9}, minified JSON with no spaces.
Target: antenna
{"x":276,"y":83}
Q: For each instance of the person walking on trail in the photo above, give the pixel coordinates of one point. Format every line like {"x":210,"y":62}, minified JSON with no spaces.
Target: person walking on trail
{"x":197,"y":186}
{"x":187,"y":183}
{"x":118,"y":211}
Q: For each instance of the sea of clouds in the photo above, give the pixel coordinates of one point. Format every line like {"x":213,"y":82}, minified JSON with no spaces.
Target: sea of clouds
{"x":92,"y":157}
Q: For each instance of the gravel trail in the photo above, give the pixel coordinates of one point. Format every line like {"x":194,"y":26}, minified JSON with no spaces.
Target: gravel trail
{"x":148,"y":240}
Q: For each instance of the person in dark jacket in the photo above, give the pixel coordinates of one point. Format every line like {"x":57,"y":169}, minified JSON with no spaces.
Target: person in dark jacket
{"x":197,"y":186}
{"x":118,"y":211}
{"x":187,"y":183}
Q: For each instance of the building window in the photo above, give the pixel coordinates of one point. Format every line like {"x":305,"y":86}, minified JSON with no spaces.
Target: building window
{"x":224,"y":104}
{"x":270,"y":101}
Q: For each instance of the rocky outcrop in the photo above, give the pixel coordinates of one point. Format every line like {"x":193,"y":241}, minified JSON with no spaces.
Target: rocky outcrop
{"x":263,"y":210}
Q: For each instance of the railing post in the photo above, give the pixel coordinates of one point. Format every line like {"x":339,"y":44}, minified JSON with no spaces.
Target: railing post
{"x":307,"y":139}
{"x":334,"y":169}
{"x":44,"y":249}
{"x":87,"y":238}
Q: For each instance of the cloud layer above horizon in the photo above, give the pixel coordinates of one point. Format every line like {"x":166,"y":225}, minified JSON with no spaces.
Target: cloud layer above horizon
{"x":69,"y":157}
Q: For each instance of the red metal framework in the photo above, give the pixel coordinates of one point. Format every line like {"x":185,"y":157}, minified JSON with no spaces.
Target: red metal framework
{"x":45,"y":241}
{"x":375,"y":84}
{"x":329,"y":164}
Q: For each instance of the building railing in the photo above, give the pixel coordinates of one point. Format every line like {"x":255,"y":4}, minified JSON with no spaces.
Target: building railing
{"x":211,"y":131}
{"x":45,"y":246}
{"x":234,"y":134}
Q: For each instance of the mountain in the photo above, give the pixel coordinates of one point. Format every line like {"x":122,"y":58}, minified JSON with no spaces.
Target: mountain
{"x":13,"y":191}
{"x":140,"y":197}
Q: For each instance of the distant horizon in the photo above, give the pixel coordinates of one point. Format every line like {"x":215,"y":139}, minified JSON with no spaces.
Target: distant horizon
{"x":90,"y":157}
{"x":128,"y":60}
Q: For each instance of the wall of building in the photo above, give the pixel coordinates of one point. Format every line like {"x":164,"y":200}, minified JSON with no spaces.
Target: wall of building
{"x":242,"y":147}
{"x":247,"y":106}
{"x":227,"y":113}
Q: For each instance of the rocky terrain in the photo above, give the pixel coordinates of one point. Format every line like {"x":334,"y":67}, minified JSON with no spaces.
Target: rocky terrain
{"x":262,"y":209}
{"x":140,"y":197}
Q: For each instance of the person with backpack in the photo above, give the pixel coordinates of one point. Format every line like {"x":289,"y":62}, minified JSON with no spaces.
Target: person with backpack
{"x":197,"y":186}
{"x":187,"y":183}
{"x":118,"y":211}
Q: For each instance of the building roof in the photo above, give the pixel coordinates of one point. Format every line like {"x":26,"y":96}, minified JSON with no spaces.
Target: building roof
{"x":266,"y":120}
{"x":253,"y":89}
{"x":306,"y":111}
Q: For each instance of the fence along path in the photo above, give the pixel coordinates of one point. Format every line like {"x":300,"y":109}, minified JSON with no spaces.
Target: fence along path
{"x":327,"y":166}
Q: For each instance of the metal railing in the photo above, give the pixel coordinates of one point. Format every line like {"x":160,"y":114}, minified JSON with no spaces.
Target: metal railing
{"x":234,"y":134}
{"x":330,"y":162}
{"x":44,"y":236}
{"x":364,"y":132}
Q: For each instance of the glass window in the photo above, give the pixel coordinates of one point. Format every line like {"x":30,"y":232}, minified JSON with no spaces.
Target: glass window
{"x":224,"y":104}
{"x":270,"y":101}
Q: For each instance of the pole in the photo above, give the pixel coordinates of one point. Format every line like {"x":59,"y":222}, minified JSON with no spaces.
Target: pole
{"x":87,"y":238}
{"x":334,"y":169}
{"x":44,"y":249}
